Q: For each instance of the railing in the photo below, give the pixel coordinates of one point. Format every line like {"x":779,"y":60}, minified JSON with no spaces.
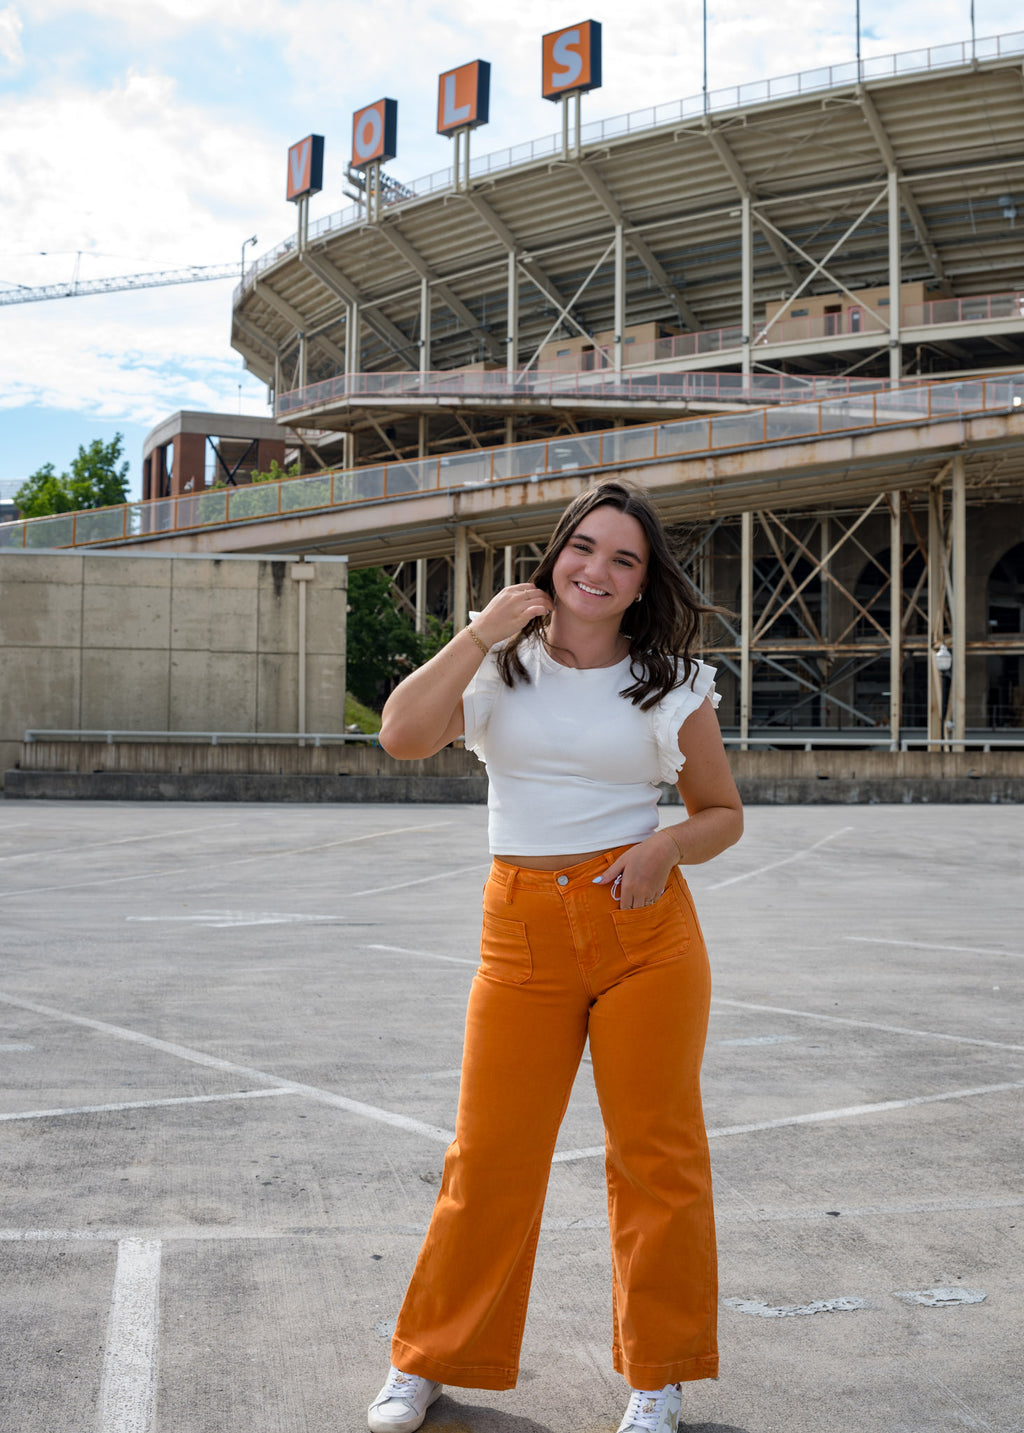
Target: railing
{"x":822,"y":740}
{"x":211,"y":738}
{"x":849,"y":321}
{"x":611,"y":449}
{"x":982,"y":308}
{"x":591,"y":375}
{"x":500,"y":383}
{"x":824,"y":77}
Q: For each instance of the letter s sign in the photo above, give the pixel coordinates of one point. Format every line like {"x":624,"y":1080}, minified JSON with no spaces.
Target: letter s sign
{"x":571,"y":62}
{"x":568,"y":62}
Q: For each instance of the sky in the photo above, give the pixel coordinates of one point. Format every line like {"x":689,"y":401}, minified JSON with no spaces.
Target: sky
{"x":148,"y":136}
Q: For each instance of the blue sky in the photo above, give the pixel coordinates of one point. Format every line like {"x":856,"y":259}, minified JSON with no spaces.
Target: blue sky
{"x":153,"y":135}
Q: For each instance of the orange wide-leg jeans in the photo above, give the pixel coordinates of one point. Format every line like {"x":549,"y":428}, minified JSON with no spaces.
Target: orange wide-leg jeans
{"x":559,"y":962}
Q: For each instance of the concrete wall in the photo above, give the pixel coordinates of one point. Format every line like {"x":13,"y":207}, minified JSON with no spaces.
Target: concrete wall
{"x":274,"y":771}
{"x":100,"y":640}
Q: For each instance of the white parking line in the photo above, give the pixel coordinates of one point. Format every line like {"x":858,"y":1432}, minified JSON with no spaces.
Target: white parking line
{"x":865,"y":1024}
{"x":774,"y":865}
{"x":43,"y":853}
{"x":101,"y":881}
{"x":934,"y":945}
{"x":228,"y":920}
{"x":881,"y":1107}
{"x":277,"y":852}
{"x":818,"y":1117}
{"x":243,"y":861}
{"x":427,"y":954}
{"x":141,"y":1105}
{"x":552,"y":1224}
{"x":212,"y":1062}
{"x":422,"y":881}
{"x":128,"y":1388}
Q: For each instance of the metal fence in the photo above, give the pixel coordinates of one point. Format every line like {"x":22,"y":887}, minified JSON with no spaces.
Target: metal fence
{"x":610,"y":449}
{"x":823,"y":77}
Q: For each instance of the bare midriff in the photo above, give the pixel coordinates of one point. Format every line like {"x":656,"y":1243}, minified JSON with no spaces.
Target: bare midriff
{"x":552,"y":863}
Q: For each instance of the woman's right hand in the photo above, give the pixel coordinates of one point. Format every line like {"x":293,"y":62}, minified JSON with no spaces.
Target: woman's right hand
{"x":509,"y":611}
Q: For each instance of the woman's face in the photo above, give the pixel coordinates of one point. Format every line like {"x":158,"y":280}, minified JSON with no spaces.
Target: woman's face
{"x":603,"y":566}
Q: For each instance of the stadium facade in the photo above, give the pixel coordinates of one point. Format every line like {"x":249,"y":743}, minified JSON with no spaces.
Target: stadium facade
{"x":795,"y":311}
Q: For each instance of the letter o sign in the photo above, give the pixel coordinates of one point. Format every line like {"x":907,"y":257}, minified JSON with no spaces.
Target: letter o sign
{"x":367,"y":133}
{"x":373,"y":133}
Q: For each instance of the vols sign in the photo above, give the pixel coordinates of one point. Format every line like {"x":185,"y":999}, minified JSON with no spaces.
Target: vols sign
{"x":571,"y":60}
{"x":464,"y":97}
{"x":375,"y":133}
{"x":305,"y":167}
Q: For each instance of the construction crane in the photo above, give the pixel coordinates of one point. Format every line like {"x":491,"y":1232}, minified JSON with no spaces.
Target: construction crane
{"x":77,"y":288}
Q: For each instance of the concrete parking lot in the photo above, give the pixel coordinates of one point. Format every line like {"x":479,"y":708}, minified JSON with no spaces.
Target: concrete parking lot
{"x":229,"y":1042}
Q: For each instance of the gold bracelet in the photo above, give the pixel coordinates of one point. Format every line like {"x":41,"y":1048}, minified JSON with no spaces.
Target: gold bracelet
{"x":666,"y":832}
{"x":478,"y":640}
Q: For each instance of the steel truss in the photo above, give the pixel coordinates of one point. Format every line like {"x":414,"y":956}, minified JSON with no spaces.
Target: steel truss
{"x":832,"y":619}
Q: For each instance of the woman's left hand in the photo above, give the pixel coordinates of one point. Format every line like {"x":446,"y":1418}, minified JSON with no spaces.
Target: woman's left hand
{"x":645,"y":869}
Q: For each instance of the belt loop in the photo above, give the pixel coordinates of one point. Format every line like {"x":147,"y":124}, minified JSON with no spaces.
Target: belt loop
{"x":510,"y":881}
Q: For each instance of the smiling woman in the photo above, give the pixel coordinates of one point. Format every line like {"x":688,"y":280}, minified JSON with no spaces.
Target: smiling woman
{"x":580,"y":693}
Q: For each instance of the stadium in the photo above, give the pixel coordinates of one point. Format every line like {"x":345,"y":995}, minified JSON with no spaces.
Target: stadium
{"x":794,"y":311}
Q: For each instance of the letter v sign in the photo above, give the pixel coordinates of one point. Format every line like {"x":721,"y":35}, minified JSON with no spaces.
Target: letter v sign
{"x":305,"y":167}
{"x":298,"y":159}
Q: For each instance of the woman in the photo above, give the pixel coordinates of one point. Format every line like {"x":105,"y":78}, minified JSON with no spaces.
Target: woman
{"x":578,"y":691}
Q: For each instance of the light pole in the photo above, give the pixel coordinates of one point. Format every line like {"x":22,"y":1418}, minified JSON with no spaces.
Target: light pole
{"x":858,"y":41}
{"x":704,"y":35}
{"x":943,"y":665}
{"x":248,"y":241}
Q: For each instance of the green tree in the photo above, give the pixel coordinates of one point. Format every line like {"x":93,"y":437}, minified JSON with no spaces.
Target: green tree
{"x":95,"y":481}
{"x":276,"y":474}
{"x":382,"y":644}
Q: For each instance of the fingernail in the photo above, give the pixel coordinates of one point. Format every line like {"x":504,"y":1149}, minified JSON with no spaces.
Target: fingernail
{"x":596,"y":881}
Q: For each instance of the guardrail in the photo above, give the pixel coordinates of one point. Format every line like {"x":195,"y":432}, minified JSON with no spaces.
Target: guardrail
{"x":823,"y":77}
{"x":809,"y":743}
{"x":210,"y":738}
{"x":820,"y":741}
{"x":984,"y":743}
{"x":610,"y":449}
{"x":833,"y":739}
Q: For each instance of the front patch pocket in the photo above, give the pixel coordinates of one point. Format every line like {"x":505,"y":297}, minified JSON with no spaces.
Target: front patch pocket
{"x":651,"y":934}
{"x":505,"y":953}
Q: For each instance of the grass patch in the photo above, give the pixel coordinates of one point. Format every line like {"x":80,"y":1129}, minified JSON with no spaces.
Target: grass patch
{"x":356,"y":714}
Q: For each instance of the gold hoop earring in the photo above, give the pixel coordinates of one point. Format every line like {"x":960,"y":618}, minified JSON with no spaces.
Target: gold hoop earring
{"x":638,"y":597}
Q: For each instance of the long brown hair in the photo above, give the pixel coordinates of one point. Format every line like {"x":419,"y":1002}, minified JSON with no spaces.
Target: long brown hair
{"x":663,"y":628}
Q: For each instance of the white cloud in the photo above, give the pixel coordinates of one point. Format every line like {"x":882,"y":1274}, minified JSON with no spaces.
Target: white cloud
{"x":136,"y":180}
{"x":10,"y":37}
{"x":149,"y":170}
{"x":131,"y":357}
{"x":131,"y":171}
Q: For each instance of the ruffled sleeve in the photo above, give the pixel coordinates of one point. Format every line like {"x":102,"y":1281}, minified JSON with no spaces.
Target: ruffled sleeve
{"x":478,"y":702}
{"x":670,"y":714}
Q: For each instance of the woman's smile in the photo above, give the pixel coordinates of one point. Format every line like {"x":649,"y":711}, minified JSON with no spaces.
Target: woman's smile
{"x":603,"y":565}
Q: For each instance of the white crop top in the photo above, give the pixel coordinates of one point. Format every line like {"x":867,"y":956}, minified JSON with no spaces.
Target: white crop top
{"x":571,"y":764}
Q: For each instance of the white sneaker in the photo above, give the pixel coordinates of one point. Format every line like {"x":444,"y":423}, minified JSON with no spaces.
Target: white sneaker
{"x":653,"y":1412}
{"x":401,"y":1405}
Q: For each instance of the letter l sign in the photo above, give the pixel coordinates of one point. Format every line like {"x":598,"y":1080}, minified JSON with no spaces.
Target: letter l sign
{"x":451,"y":113}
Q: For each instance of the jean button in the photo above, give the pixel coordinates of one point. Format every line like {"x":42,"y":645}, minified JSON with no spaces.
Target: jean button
{"x":563,"y":880}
